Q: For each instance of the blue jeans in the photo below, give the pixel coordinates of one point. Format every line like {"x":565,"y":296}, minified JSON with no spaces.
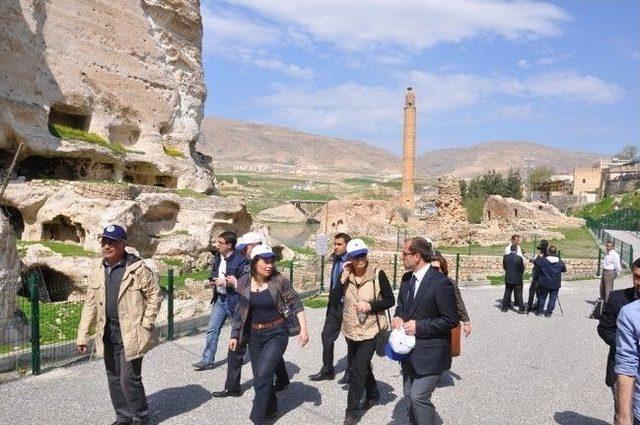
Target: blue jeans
{"x":266,"y":348}
{"x":542,"y":297}
{"x":219,"y":314}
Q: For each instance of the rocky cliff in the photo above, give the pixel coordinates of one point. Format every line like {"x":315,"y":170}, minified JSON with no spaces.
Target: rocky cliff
{"x":128,"y":71}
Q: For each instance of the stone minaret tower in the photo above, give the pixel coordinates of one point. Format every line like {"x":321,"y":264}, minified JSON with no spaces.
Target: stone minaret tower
{"x":409,"y":150}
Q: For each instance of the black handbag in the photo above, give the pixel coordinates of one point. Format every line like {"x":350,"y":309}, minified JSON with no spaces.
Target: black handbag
{"x":290,"y":320}
{"x":383,"y":336}
{"x":596,"y":313}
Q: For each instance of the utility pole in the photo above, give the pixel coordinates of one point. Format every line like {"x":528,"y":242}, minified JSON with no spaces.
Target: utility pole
{"x":6,"y":179}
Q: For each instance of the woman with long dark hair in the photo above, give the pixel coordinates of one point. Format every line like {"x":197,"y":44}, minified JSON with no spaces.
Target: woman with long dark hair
{"x":268,"y":312}
{"x":367,"y":295}
{"x":440,"y":263}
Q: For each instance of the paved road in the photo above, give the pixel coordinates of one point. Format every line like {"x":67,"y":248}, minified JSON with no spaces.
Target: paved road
{"x":514,"y":370}
{"x":628,"y":238}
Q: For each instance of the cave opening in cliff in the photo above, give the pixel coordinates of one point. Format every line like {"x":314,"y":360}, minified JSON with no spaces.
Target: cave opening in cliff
{"x":147,"y":174}
{"x":15,"y":218}
{"x":42,"y":167}
{"x":55,"y":286}
{"x":61,"y":228}
{"x":69,"y":116}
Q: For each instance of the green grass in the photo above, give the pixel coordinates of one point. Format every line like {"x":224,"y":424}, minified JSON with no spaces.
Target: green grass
{"x":499,"y":279}
{"x":174,"y":262}
{"x":578,"y":244}
{"x":305,"y":251}
{"x":368,"y":240}
{"x":172,"y":151}
{"x":72,"y":134}
{"x":316,"y":302}
{"x":306,"y":195}
{"x":62,"y":248}
{"x":58,"y":321}
{"x":188,"y":193}
{"x":179,"y":280}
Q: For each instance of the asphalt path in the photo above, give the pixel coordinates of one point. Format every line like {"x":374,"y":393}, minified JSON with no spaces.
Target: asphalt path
{"x":514,"y":369}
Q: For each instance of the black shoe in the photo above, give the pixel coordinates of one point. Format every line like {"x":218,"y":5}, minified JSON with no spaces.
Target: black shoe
{"x":504,"y":310}
{"x":279,"y":386}
{"x":226,"y":393}
{"x":350,"y":420}
{"x":547,"y":315}
{"x":203,"y":366}
{"x":370,"y":402}
{"x":345,"y":380}
{"x":323,"y":376}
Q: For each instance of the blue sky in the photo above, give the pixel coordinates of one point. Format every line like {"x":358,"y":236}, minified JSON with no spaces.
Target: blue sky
{"x":563,"y":74}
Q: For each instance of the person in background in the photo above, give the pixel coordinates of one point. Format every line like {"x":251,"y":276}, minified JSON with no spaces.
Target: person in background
{"x":267,"y":298}
{"x":535,"y":274}
{"x":515,"y":240}
{"x":607,"y":325}
{"x":440,"y":263}
{"x":367,"y":295}
{"x":551,"y":269}
{"x":228,"y":266}
{"x":122,"y":301}
{"x":335,"y":310}
{"x":610,"y":269}
{"x":513,"y":266}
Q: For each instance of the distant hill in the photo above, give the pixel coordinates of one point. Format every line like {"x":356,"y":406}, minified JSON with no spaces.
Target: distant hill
{"x":474,"y":160}
{"x":243,"y":143}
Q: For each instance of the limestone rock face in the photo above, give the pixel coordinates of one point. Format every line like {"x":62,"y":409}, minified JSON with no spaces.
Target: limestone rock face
{"x":129,"y":71}
{"x":158,"y":221}
{"x":11,"y":329}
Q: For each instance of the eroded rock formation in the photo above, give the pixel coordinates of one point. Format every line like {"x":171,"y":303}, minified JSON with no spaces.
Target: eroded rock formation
{"x":128,"y":71}
{"x":11,"y":327}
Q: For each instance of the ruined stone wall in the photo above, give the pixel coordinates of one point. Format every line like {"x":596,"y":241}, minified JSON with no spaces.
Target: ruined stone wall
{"x":586,"y":180}
{"x":544,"y":215}
{"x":130,"y":71}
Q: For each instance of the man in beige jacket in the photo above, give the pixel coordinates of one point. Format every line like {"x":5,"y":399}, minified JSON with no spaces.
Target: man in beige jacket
{"x":122,"y":300}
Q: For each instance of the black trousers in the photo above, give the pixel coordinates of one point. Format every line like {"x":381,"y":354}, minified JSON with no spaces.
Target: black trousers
{"x":267,"y":348}
{"x":124,"y":378}
{"x":234,"y":369}
{"x":362,"y":379}
{"x":533,"y":290}
{"x":330,"y":333}
{"x":517,"y":292}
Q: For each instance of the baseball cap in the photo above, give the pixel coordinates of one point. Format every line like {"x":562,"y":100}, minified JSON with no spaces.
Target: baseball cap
{"x":113,"y":232}
{"x":248,"y":238}
{"x":356,"y":247}
{"x":388,"y":351}
{"x":400,"y":342}
{"x":262,"y":251}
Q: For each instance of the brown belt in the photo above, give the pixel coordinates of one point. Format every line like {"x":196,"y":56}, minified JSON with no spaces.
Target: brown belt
{"x":268,"y":325}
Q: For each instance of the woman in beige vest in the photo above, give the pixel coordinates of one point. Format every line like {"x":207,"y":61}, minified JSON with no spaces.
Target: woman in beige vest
{"x":367,"y":296}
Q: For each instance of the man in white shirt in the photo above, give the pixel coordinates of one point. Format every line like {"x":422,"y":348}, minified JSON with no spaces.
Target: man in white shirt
{"x":515,"y":240}
{"x":610,"y":269}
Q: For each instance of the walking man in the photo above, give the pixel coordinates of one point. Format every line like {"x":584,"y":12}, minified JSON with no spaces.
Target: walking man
{"x":610,"y":269}
{"x":122,"y":300}
{"x":607,"y":326}
{"x":551,"y":269}
{"x":513,"y":266}
{"x":335,"y":307}
{"x":426,"y":309}
{"x":227,"y":268}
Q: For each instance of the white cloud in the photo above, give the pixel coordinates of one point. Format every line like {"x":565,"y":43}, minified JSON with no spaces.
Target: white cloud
{"x":358,"y":25}
{"x":567,"y":85}
{"x":287,"y":69}
{"x":523,"y":63}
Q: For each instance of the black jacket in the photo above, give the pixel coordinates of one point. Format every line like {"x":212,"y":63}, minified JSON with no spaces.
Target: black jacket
{"x":236,"y":266}
{"x":607,"y":325}
{"x":513,"y":266}
{"x":336,"y":289}
{"x":434,"y":310}
{"x":551,"y":269}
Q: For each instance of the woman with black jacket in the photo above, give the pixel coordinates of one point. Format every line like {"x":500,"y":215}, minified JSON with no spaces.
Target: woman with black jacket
{"x":268,"y":311}
{"x":367,"y":295}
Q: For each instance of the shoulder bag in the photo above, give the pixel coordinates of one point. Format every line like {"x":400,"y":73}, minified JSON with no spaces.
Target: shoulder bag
{"x":383,"y":336}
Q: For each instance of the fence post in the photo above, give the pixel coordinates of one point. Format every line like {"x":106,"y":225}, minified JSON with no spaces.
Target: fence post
{"x":395,"y":271}
{"x":321,"y":274}
{"x":457,"y":265}
{"x":599,"y":261}
{"x":533,"y":248}
{"x":34,"y":293}
{"x":469,"y":248}
{"x":170,"y":305}
{"x":630,"y":256}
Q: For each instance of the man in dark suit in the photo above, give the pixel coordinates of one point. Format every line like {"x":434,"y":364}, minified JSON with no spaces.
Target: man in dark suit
{"x":227,"y":268}
{"x":335,"y":306}
{"x":513,"y":266}
{"x":607,"y":326}
{"x":426,"y":308}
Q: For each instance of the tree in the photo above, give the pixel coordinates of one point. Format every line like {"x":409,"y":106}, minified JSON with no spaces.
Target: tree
{"x":513,"y":184}
{"x":540,"y":175}
{"x":628,"y":152}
